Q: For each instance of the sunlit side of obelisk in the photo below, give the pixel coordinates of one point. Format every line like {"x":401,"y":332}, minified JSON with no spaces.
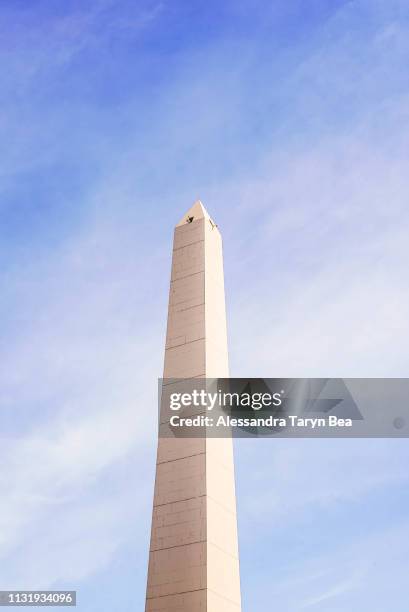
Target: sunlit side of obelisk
{"x":193,"y":557}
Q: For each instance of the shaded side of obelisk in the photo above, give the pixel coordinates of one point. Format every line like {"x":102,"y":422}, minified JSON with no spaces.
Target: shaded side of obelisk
{"x":193,"y":557}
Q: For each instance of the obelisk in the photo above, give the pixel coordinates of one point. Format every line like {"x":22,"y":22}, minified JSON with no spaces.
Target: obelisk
{"x":193,"y":557}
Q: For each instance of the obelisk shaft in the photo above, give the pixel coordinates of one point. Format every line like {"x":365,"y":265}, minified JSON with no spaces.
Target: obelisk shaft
{"x":193,"y":558}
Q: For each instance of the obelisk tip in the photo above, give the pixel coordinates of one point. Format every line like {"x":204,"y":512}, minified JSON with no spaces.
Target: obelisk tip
{"x":195,"y":212}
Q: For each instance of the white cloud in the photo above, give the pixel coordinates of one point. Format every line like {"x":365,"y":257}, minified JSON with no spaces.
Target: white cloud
{"x":79,"y":386}
{"x":291,"y":478}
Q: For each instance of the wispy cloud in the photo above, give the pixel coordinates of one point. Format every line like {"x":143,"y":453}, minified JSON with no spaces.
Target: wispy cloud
{"x":73,"y":410}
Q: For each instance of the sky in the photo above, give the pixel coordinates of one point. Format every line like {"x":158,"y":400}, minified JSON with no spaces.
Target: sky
{"x":290,"y":121}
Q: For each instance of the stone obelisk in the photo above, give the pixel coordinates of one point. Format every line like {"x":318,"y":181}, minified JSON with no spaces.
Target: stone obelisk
{"x":193,"y":557}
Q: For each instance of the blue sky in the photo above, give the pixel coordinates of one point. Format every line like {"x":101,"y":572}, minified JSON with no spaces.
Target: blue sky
{"x":290,"y":121}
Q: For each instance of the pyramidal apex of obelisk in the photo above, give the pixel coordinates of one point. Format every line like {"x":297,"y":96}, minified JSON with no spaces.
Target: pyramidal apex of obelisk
{"x":195,"y":212}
